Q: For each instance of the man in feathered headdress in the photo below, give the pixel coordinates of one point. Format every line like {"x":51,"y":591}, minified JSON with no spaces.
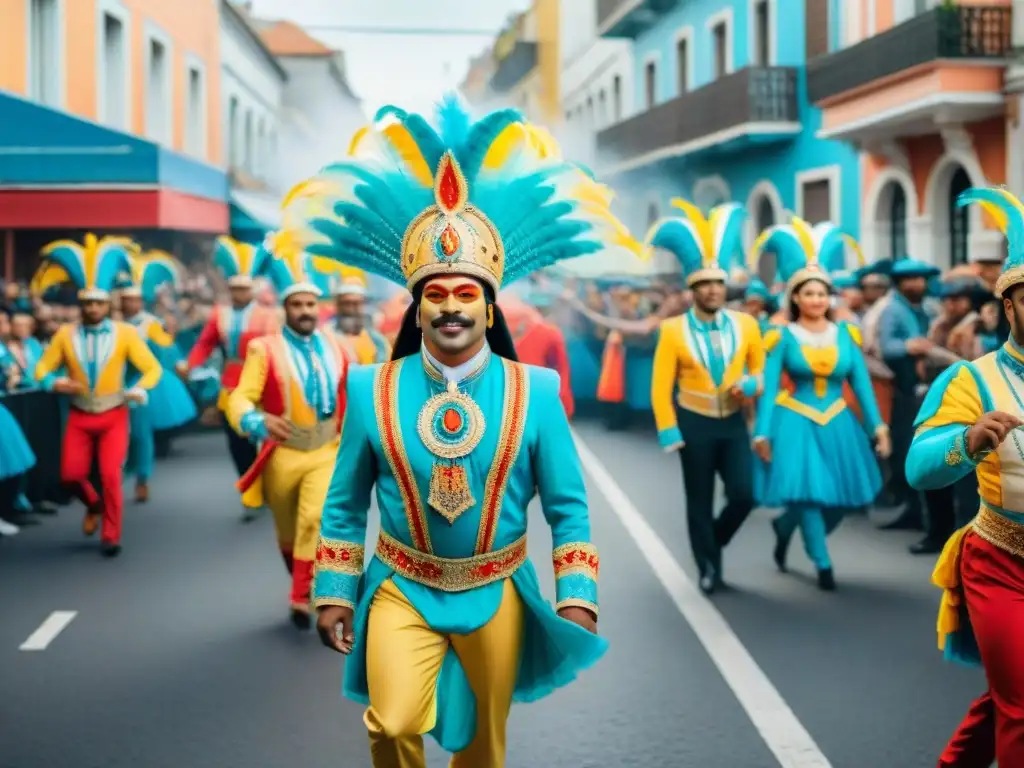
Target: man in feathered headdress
{"x":96,"y":354}
{"x":363,"y":343}
{"x":715,"y":358}
{"x":170,"y":405}
{"x":290,"y":398}
{"x":447,"y":625}
{"x":230,"y":329}
{"x":970,"y":423}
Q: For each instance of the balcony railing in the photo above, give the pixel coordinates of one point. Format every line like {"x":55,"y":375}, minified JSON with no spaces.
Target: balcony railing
{"x":519,"y":62}
{"x":957,"y":32}
{"x":629,"y":18}
{"x":752,"y":95}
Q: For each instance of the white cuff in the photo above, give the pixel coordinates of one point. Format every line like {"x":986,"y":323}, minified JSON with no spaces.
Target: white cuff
{"x":142,"y":394}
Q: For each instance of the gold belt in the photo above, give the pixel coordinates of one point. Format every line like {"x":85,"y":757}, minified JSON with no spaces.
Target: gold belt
{"x":311,"y":438}
{"x":91,"y":403}
{"x":716,"y":405}
{"x":999,"y":531}
{"x":450,"y":574}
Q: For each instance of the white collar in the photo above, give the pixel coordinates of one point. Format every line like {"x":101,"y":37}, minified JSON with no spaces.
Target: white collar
{"x":459,"y":373}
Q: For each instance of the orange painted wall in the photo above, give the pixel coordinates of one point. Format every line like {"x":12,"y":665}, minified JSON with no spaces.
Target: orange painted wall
{"x":192,"y":25}
{"x":884,"y":14}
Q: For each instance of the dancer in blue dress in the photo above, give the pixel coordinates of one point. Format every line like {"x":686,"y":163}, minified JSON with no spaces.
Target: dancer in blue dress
{"x":828,"y":464}
{"x":170,"y":405}
{"x":16,"y":455}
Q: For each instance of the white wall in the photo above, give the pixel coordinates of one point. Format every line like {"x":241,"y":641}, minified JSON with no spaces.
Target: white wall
{"x":589,"y":67}
{"x":248,"y":77}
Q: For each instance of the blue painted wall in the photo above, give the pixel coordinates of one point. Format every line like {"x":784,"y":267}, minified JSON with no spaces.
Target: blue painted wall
{"x":42,"y":146}
{"x":775,"y":162}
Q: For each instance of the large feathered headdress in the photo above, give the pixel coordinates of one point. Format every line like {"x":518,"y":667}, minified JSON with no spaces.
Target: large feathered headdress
{"x":239,"y":262}
{"x":707,"y":247}
{"x":804,"y":252}
{"x":92,"y":266}
{"x":149,"y":272}
{"x":492,"y":199}
{"x":1008,"y":213}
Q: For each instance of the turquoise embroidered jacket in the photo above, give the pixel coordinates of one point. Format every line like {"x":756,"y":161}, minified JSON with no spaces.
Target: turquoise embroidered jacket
{"x":526,"y":448}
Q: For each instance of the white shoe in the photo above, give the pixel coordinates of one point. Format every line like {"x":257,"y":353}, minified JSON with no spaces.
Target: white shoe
{"x":8,"y":529}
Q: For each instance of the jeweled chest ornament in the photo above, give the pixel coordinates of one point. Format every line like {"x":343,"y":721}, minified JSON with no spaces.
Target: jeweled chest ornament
{"x":451,"y":426}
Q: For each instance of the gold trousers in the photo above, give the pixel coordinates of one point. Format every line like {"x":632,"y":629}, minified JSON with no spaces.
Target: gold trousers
{"x":295,"y":487}
{"x":403,"y":661}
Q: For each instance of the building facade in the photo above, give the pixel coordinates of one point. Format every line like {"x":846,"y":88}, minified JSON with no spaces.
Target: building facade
{"x":109,"y":120}
{"x":919,"y":87}
{"x":252,"y":91}
{"x":721,"y":114}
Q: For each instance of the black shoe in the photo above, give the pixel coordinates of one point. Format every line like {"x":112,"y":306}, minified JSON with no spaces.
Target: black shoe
{"x":904,"y":521}
{"x":42,"y":508}
{"x":926,"y":546}
{"x":826,"y":580}
{"x":301,"y":619}
{"x":110,"y":550}
{"x":249,"y":514}
{"x":781,"y":550}
{"x":709,"y":580}
{"x":22,"y":520}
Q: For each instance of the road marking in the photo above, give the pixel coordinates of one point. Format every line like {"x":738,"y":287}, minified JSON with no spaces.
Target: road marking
{"x":55,"y":623}
{"x":778,"y":726}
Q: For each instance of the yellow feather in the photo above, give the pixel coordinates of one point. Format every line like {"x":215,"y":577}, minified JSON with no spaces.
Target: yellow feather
{"x":997,"y":214}
{"x":405,"y":145}
{"x":510,"y":140}
{"x":805,"y":237}
{"x":357,"y":139}
{"x":855,"y":247}
{"x":47,"y":276}
{"x":704,"y":231}
{"x":754,"y":254}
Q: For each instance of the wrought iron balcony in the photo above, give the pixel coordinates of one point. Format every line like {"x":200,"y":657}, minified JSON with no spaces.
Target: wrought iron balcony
{"x":629,"y":18}
{"x":949,"y":32}
{"x":754,"y":95}
{"x":516,"y":65}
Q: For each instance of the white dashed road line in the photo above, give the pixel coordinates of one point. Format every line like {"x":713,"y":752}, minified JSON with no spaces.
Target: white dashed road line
{"x":55,"y":623}
{"x":778,"y":726}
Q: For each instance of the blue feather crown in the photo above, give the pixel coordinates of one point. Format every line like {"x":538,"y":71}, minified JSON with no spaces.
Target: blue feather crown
{"x":492,"y":199}
{"x":804,"y":251}
{"x":706,"y":247}
{"x":1008,"y":213}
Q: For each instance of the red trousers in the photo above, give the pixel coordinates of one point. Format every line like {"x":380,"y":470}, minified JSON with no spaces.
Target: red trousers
{"x":104,"y":437}
{"x":993,"y":584}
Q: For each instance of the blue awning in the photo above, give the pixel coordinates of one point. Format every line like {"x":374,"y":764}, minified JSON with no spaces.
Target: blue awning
{"x":40,"y":146}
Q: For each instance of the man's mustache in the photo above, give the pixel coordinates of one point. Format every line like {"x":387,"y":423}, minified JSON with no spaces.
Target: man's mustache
{"x":456,"y":319}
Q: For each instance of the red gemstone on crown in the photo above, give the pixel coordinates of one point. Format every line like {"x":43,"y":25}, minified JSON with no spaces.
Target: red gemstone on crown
{"x":448,"y":189}
{"x":452,"y":420}
{"x":449,"y":240}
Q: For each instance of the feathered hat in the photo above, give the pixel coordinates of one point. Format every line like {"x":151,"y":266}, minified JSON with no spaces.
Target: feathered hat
{"x":149,"y":272}
{"x":491,"y":199}
{"x":706,"y":247}
{"x":351,"y":282}
{"x":1008,"y":213}
{"x":806,"y":252}
{"x":92,"y":266}
{"x":239,"y":262}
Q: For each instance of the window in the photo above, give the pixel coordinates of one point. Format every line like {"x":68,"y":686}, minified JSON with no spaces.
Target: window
{"x":683,"y":64}
{"x":247,"y":147}
{"x":959,"y":219}
{"x":764,"y":217}
{"x":650,"y":82}
{"x":816,"y":28}
{"x":602,"y":108}
{"x":718,"y":35}
{"x":897,"y":223}
{"x":234,"y":155}
{"x":45,"y":52}
{"x":158,"y":92}
{"x":590,"y":112}
{"x":761,"y":52}
{"x":114,"y":55}
{"x":617,"y":98}
{"x":195,"y":114}
{"x":817,"y":201}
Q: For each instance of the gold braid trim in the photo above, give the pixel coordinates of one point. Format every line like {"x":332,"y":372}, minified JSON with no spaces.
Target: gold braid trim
{"x":576,"y":557}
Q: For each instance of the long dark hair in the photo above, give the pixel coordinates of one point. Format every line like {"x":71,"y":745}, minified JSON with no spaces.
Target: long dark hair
{"x":410,"y":335}
{"x":794,"y":310}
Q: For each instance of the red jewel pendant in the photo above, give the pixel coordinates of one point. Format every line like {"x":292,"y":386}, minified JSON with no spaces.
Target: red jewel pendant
{"x":449,"y":240}
{"x":452,"y":420}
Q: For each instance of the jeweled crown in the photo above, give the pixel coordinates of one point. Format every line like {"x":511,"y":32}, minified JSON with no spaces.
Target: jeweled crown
{"x":451,"y":236}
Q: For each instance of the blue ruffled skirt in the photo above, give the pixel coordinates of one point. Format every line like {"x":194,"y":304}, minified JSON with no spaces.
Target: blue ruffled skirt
{"x":170,"y":403}
{"x":16,"y":455}
{"x":823,"y":466}
{"x":554,"y":652}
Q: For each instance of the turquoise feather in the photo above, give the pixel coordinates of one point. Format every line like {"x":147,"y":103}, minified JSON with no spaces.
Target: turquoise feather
{"x":1014,"y":221}
{"x":679,"y":237}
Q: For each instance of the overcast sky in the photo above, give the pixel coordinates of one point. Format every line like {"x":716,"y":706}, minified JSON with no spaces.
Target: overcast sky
{"x":411,"y":71}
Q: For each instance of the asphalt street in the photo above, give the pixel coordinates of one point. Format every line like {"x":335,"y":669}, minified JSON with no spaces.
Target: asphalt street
{"x":180,"y":653}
